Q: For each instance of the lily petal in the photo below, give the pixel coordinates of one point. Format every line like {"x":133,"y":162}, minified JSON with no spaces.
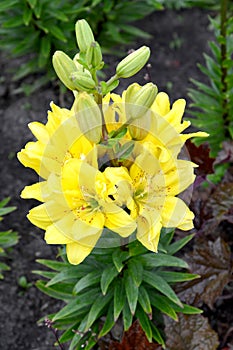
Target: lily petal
{"x":118,"y":220}
{"x":176,"y":214}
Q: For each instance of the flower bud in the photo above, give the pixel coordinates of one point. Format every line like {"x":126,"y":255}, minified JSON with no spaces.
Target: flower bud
{"x":132,"y":63}
{"x":89,"y":117}
{"x":64,"y":67}
{"x":82,"y":81}
{"x":84,"y":35}
{"x":139,"y":99}
{"x":137,"y":132}
{"x":94,"y":55}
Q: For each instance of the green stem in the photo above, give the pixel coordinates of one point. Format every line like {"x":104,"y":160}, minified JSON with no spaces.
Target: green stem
{"x":98,"y":99}
{"x":111,"y":80}
{"x":224,"y":71}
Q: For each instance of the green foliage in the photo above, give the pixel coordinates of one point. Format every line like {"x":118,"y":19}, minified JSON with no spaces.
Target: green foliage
{"x":124,"y":283}
{"x":38,"y":28}
{"x":7,"y":238}
{"x":213,"y":102}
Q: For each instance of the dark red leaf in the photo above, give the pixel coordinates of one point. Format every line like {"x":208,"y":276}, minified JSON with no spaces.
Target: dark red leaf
{"x":212,"y":261}
{"x":200,"y":156}
{"x":192,"y":332}
{"x":134,"y":339}
{"x":226,"y":154}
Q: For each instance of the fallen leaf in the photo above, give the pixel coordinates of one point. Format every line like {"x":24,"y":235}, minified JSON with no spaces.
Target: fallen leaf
{"x":221,"y":203}
{"x":201,"y":156}
{"x":226,"y":154}
{"x":134,"y":339}
{"x":212,"y":261}
{"x":192,"y":332}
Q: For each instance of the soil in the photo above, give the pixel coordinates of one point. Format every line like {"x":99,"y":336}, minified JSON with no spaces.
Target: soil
{"x":178,"y":40}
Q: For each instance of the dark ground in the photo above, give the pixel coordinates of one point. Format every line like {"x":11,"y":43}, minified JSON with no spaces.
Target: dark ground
{"x":179,"y":38}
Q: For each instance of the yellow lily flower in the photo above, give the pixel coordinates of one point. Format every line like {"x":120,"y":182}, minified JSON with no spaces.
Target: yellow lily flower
{"x":57,"y":141}
{"x":149,"y":188}
{"x":165,"y":126}
{"x":80,"y":205}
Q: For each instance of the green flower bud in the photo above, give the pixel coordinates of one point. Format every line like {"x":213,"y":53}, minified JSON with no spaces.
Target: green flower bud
{"x":64,"y":67}
{"x":94,"y":55}
{"x":132,"y":63}
{"x":140,"y":127}
{"x":88,"y":116}
{"x":139,"y":99}
{"x":84,"y":35}
{"x":82,"y":81}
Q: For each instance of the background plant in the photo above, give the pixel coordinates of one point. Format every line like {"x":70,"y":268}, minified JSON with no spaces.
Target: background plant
{"x":37,"y":28}
{"x":212,"y":102}
{"x":7,"y":238}
{"x":123,"y":283}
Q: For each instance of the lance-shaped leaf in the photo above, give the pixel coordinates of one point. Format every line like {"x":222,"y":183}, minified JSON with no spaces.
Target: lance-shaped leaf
{"x":78,"y":303}
{"x":173,"y":276}
{"x":127,"y":317}
{"x":109,"y":322}
{"x":118,"y":257}
{"x":144,"y":300}
{"x":97,"y":307}
{"x":161,"y":285}
{"x":136,"y":270}
{"x":107,"y":277}
{"x":90,"y":279}
{"x":131,"y":291}
{"x":155,"y":260}
{"x":119,"y":298}
{"x":191,"y":332}
{"x":144,"y":322}
{"x":162,"y":303}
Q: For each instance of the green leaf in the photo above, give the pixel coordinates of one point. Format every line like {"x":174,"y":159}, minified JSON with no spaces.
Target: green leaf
{"x":119,"y":298}
{"x":57,"y":33}
{"x":144,"y":322}
{"x":97,"y":307}
{"x":32,"y":3}
{"x":27,"y":16}
{"x":172,"y":276}
{"x":57,"y":293}
{"x":131,"y":290}
{"x":54,"y":265}
{"x":107,"y":277}
{"x":136,"y":248}
{"x":176,"y":246}
{"x":161,"y":285}
{"x":90,"y":279}
{"x":187,"y":309}
{"x":45,"y":46}
{"x":118,"y":257}
{"x":78,"y":303}
{"x":7,"y":210}
{"x":163,"y":304}
{"x":4,"y":202}
{"x":4,"y":267}
{"x":7,"y":4}
{"x":144,"y":300}
{"x":157,"y":335}
{"x":135,"y":268}
{"x":159,"y":259}
{"x":127,"y":317}
{"x":73,"y":272}
{"x":109,"y":322}
{"x":46,"y":274}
